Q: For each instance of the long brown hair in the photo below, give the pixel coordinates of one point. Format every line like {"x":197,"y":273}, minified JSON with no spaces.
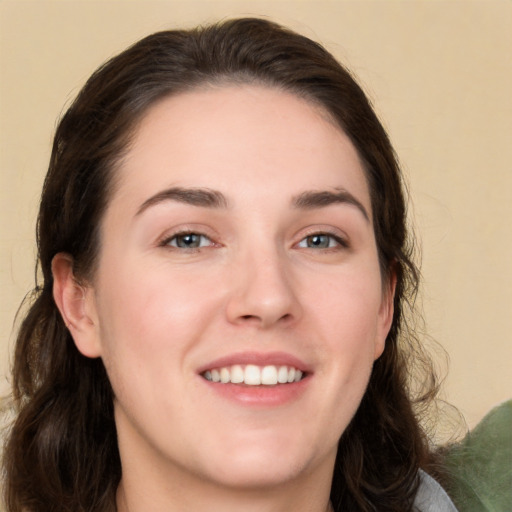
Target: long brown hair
{"x":61,"y":453}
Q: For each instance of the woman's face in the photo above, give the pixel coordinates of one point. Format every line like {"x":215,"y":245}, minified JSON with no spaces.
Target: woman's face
{"x":238,"y":245}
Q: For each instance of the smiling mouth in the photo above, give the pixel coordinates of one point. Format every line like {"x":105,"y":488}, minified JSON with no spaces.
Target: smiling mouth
{"x":253,"y":375}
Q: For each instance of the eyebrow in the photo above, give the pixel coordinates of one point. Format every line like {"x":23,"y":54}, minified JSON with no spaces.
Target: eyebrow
{"x":204,"y":197}
{"x":208,"y":198}
{"x":310,"y":200}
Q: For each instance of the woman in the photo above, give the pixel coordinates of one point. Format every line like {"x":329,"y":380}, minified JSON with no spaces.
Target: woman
{"x":225,"y":270}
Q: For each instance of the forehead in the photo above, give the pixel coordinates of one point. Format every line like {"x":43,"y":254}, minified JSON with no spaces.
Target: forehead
{"x":240,"y":136}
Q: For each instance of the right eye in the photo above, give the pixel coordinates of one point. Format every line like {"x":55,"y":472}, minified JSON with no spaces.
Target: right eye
{"x":188,"y":240}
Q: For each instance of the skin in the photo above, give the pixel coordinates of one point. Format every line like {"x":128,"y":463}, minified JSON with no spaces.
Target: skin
{"x":157,"y":313}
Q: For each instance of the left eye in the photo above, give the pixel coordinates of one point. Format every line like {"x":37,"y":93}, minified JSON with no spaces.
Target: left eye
{"x":189,"y":241}
{"x":320,"y":241}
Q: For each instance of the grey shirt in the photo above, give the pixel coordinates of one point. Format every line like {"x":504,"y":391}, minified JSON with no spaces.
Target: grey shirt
{"x":431,"y":497}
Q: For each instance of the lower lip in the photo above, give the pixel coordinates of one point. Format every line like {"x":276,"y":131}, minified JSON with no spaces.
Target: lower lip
{"x":266,"y":396}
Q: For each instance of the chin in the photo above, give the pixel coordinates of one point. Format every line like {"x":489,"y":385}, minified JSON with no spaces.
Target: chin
{"x":257,"y":474}
{"x":264,"y":463}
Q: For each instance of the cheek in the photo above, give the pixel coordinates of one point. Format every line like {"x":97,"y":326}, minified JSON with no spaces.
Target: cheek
{"x":148,"y":325}
{"x":151,"y":320}
{"x":348,"y":307}
{"x":347,"y":316}
{"x":151,"y":299}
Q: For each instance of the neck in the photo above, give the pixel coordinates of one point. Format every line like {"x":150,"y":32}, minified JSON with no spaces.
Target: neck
{"x":127,"y":502}
{"x":175,"y":493}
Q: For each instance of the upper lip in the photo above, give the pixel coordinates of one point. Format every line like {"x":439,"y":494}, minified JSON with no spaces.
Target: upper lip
{"x":258,"y":359}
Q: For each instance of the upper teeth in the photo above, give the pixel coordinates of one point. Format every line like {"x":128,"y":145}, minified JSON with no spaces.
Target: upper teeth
{"x":253,"y":375}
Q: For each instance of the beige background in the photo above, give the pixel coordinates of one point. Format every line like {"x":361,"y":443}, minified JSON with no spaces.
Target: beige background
{"x":440,"y":75}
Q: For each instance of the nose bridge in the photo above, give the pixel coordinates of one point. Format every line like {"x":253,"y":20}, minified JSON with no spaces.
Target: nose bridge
{"x":263,"y":287}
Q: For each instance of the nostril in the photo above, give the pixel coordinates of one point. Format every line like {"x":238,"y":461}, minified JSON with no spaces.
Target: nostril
{"x":286,"y":316}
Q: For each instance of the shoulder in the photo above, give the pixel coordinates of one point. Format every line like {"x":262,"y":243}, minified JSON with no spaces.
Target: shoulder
{"x":479,"y":466}
{"x":431,"y":497}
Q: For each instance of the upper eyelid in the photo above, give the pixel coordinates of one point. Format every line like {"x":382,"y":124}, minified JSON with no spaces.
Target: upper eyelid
{"x":322,"y":230}
{"x":171,"y":233}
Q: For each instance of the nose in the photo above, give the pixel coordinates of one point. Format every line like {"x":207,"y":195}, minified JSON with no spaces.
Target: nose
{"x":263,"y":292}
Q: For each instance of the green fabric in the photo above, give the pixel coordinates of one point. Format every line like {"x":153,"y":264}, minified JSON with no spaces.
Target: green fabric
{"x":481,"y":465}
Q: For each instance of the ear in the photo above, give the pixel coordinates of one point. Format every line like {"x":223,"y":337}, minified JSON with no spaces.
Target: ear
{"x":76,"y":305}
{"x":386,"y":313}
